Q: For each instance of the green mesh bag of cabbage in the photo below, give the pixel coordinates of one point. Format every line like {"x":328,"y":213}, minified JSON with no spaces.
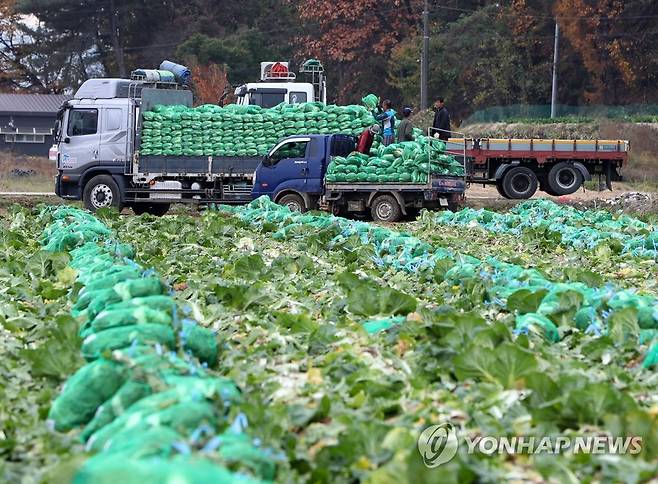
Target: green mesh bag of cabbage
{"x":237,"y":130}
{"x":406,"y":162}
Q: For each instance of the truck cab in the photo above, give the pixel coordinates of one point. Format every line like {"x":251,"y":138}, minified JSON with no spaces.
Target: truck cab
{"x":293,"y":172}
{"x":279,"y":85}
{"x":95,"y":138}
{"x":93,"y":134}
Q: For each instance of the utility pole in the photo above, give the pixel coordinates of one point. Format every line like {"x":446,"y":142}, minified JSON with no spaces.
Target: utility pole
{"x":554,"y":90}
{"x":424,"y":61}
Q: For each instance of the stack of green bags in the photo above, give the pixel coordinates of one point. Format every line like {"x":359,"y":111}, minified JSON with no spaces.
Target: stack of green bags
{"x":406,"y":162}
{"x":237,"y":130}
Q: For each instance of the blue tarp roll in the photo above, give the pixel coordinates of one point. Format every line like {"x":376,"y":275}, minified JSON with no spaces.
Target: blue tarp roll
{"x":148,"y":74}
{"x":181,"y":73}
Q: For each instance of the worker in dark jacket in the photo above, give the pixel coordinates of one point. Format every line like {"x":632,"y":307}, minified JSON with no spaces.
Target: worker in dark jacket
{"x":405,"y":129}
{"x":367,"y":137}
{"x":441,"y":120}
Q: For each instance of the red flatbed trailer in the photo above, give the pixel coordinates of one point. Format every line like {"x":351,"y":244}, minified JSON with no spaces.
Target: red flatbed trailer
{"x":518,"y":167}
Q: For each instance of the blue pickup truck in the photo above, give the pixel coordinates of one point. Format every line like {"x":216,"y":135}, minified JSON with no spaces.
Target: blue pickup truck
{"x":293,"y":174}
{"x":97,"y":139}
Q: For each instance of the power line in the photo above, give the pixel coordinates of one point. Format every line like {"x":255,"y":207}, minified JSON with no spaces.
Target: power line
{"x":280,"y":29}
{"x":526,"y":36}
{"x":549,"y":17}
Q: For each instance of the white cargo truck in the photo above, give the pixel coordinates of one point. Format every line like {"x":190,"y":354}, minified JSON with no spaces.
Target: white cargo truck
{"x":98,"y":161}
{"x":279,"y":85}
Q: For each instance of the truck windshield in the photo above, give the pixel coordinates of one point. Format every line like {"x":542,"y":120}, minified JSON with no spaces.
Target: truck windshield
{"x":294,"y":149}
{"x":297,"y":97}
{"x":266,"y":99}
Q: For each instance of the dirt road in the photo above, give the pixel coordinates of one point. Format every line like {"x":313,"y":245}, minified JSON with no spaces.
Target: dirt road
{"x":622,"y":196}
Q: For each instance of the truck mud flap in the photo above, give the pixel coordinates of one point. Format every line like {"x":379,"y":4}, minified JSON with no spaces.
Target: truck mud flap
{"x":583,"y":170}
{"x":68,"y":188}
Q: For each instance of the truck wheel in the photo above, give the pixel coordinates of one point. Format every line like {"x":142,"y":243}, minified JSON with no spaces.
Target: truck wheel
{"x":385,"y":208}
{"x":412,"y":213}
{"x":564,"y":178}
{"x":157,"y":209}
{"x":501,"y":190}
{"x":101,"y":192}
{"x":294,"y":202}
{"x":519,"y":182}
{"x":543,"y":185}
{"x":454,"y":202}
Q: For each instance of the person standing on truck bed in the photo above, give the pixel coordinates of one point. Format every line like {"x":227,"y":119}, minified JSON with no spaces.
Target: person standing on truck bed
{"x":441,"y":120}
{"x":366,"y":138}
{"x":406,"y":129}
{"x":387,"y":117}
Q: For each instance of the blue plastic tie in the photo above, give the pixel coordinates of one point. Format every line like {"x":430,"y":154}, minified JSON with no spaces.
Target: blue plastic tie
{"x":519,"y":331}
{"x":213,"y":444}
{"x":182,"y":448}
{"x":594,"y":329}
{"x":148,"y":273}
{"x":240,"y":423}
{"x":199,"y":431}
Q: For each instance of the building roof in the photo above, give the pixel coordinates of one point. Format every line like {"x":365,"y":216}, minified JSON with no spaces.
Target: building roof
{"x":31,"y":103}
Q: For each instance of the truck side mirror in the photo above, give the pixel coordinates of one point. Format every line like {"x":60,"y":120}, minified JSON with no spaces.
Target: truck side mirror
{"x":267,"y":161}
{"x":67,"y":139}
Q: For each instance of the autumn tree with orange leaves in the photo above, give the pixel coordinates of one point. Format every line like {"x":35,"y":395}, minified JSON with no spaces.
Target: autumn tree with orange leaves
{"x":482,"y":54}
{"x":616,"y":41}
{"x":356,"y":39}
{"x":210,"y":84}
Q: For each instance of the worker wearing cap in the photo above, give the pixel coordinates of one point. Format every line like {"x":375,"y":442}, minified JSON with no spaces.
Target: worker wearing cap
{"x":366,"y":138}
{"x":406,"y":129}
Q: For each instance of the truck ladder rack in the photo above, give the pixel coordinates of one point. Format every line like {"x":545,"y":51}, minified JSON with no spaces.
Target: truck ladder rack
{"x":314,"y":74}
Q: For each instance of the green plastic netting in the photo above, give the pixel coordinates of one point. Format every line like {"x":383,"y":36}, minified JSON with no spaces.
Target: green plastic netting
{"x":559,"y":305}
{"x":406,"y":162}
{"x":237,"y":130}
{"x":576,"y":228}
{"x":150,"y":409}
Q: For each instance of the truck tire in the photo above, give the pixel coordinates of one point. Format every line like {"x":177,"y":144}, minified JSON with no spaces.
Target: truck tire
{"x":564,"y":178}
{"x":157,"y":209}
{"x":101,"y":192}
{"x":454,"y":202}
{"x":294,"y":202}
{"x":519,"y":182}
{"x":543,"y":185}
{"x":501,"y":190}
{"x":385,"y":208}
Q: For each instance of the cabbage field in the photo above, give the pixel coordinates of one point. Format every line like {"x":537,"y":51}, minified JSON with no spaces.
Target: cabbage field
{"x":252,"y":344}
